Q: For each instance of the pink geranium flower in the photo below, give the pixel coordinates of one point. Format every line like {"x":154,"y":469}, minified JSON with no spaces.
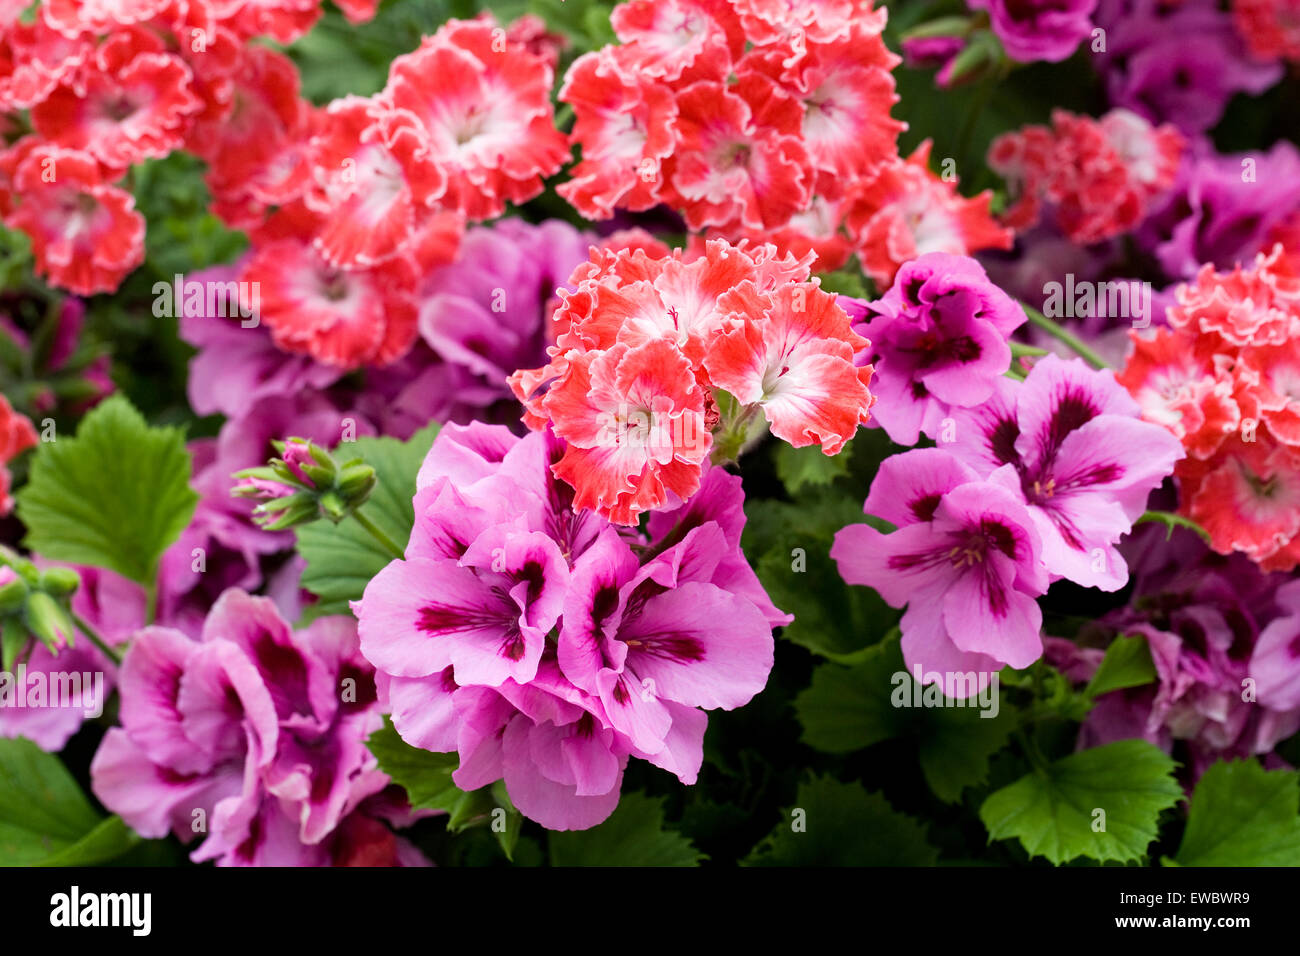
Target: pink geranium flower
{"x":966,"y":560}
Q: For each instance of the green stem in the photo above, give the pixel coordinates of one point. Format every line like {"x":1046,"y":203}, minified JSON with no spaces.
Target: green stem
{"x":384,"y":540}
{"x":84,"y":627}
{"x":1069,"y":339}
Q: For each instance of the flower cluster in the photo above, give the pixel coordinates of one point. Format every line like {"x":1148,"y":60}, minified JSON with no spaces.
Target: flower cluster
{"x":547,"y":646}
{"x":1222,"y":639}
{"x":108,"y":85}
{"x":1222,"y":379}
{"x":938,"y":342}
{"x":1271,"y":28}
{"x":649,"y":340}
{"x":1098,"y":176}
{"x":763,"y":122}
{"x":1037,"y":483}
{"x":1178,"y":63}
{"x":253,"y":735}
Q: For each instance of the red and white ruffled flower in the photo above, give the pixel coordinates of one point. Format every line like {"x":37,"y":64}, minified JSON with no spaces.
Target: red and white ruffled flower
{"x":905,"y":211}
{"x":472,"y":109}
{"x":86,"y":234}
{"x":646,"y":337}
{"x":626,"y":125}
{"x":137,"y":110}
{"x":370,"y":194}
{"x":340,"y":317}
{"x":1098,"y":175}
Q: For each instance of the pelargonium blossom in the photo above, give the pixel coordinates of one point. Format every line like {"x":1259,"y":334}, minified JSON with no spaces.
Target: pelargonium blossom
{"x":741,"y":115}
{"x":1079,"y":457}
{"x":547,"y":646}
{"x":648,"y":340}
{"x":1098,"y":176}
{"x":939,"y":340}
{"x":253,"y":736}
{"x":1219,"y":633}
{"x":1222,"y":380}
{"x":1038,"y":29}
{"x":904,"y":210}
{"x":965,"y":559}
{"x":1179,"y":63}
{"x":86,"y":233}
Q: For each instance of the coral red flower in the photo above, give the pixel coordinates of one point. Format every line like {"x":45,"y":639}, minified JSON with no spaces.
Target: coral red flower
{"x":16,"y":436}
{"x":1271,"y":28}
{"x":34,"y":59}
{"x":256,"y":148}
{"x":86,"y":235}
{"x":792,"y":355}
{"x":905,"y":211}
{"x":473,"y":108}
{"x":345,"y":318}
{"x":120,"y":116}
{"x":627,"y":129}
{"x":370,"y":194}
{"x":685,"y":40}
{"x":846,"y":91}
{"x":1098,"y":175}
{"x":633,"y":418}
{"x":740,"y":162}
{"x":646,"y":337}
{"x":1225,"y":379}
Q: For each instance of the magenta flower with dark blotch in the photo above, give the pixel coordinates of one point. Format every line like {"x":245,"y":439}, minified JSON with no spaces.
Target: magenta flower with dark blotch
{"x":1221,"y":208}
{"x":254,"y":731}
{"x":1219,"y":631}
{"x":938,"y":342}
{"x":965,"y":559}
{"x":1038,"y":29}
{"x":548,"y":646}
{"x":1177,"y":63}
{"x":1083,"y":461}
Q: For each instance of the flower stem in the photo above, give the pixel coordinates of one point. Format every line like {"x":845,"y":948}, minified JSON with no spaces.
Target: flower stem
{"x":85,"y":628}
{"x":1067,"y":338}
{"x":384,"y":540}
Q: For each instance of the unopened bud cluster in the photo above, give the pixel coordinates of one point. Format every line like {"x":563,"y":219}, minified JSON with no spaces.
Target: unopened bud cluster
{"x":303,"y":484}
{"x":34,"y":603}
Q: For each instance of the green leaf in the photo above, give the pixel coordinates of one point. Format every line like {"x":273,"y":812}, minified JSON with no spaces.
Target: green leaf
{"x":115,"y":496}
{"x":808,"y":466}
{"x":43,"y":812}
{"x":1127,"y":664}
{"x":849,"y":708}
{"x":511,"y":825}
{"x":341,"y":559}
{"x":425,"y":776}
{"x":634,"y":835}
{"x":831,"y":618}
{"x":108,"y":841}
{"x":1052,"y":809}
{"x":841,"y":824}
{"x":1243,"y":815}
